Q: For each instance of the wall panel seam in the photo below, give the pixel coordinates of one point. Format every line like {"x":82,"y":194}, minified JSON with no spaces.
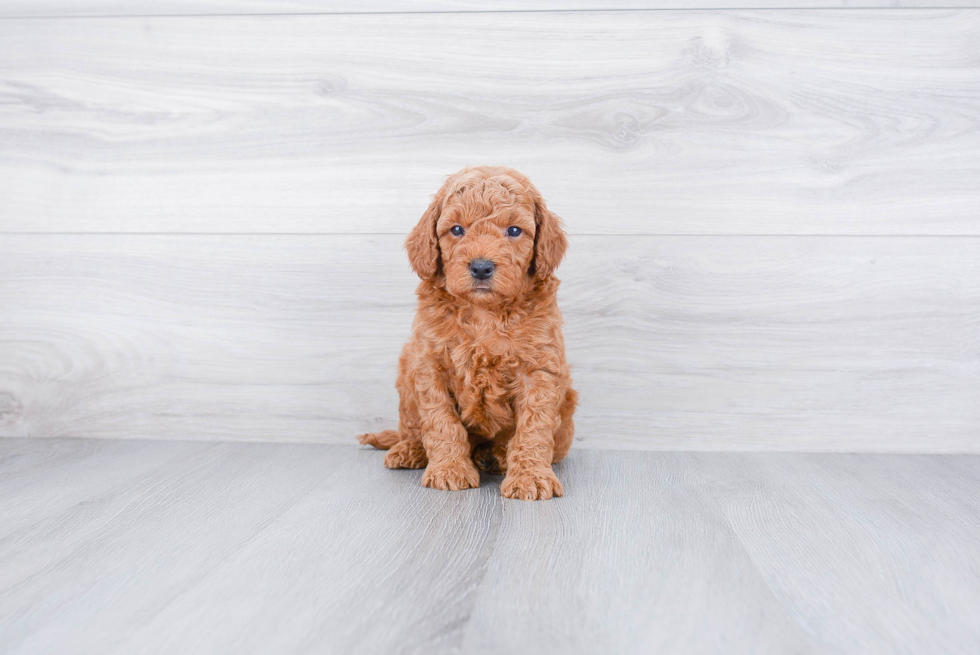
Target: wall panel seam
{"x":571,"y":234}
{"x":492,"y":11}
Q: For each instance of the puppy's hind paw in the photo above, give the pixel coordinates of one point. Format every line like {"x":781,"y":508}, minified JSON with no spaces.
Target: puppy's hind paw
{"x":531,"y":485}
{"x":451,"y":477}
{"x":406,"y":455}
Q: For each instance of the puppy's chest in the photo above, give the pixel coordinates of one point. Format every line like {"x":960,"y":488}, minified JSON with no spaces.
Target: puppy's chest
{"x":485,"y":370}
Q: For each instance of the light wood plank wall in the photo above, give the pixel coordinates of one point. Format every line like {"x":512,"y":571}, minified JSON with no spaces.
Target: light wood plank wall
{"x":88,"y":8}
{"x":775,"y":214}
{"x":660,"y":122}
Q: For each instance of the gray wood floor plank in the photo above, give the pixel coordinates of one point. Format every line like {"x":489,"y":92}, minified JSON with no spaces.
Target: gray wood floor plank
{"x":19,"y":457}
{"x":772,"y":122}
{"x":76,"y":475}
{"x":377,"y":572}
{"x":632,"y":560}
{"x":111,"y":568}
{"x":872,"y":553}
{"x":306,"y":548}
{"x":372,"y":564}
{"x":85,"y":8}
{"x":789,"y":343}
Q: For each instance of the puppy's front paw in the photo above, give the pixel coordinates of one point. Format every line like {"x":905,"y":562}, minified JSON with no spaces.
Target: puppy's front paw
{"x":406,"y":455}
{"x":451,"y":477}
{"x":536,"y":484}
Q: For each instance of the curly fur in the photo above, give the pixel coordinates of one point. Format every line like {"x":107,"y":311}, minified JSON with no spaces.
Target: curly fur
{"x":483,"y":379}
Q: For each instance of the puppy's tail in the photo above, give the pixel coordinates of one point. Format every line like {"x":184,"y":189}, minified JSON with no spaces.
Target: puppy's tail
{"x":383,"y":440}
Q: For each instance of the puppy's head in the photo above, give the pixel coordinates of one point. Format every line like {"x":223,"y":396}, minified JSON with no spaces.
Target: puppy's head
{"x":486,"y":236}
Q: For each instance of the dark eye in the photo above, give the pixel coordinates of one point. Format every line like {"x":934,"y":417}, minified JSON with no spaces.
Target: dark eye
{"x":513,"y":231}
{"x":457,"y":230}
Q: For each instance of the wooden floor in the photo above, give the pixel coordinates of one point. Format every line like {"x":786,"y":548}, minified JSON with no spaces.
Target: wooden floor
{"x":183,"y":547}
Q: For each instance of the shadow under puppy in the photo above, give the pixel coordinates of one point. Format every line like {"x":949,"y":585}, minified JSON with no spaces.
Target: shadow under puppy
{"x":483,"y":378}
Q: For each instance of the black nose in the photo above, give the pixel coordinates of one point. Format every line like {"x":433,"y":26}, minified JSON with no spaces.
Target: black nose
{"x":481,"y":269}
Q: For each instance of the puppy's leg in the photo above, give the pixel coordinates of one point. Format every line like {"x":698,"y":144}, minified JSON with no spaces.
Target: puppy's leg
{"x":532,"y":449}
{"x":566,"y":430}
{"x":446,"y":442}
{"x":405,"y":443}
{"x":408,"y":453}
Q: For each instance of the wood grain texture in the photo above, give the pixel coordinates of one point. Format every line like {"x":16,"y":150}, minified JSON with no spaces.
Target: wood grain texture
{"x":789,"y":343}
{"x":635,"y":559}
{"x":85,"y":8}
{"x":771,"y":500}
{"x":33,"y":480}
{"x":307,"y":548}
{"x":725,"y":122}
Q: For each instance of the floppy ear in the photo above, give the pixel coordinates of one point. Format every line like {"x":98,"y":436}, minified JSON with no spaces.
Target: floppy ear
{"x":423,"y":242}
{"x":550,"y":241}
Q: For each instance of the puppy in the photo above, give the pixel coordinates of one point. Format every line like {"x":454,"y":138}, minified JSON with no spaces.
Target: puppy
{"x":483,"y":379}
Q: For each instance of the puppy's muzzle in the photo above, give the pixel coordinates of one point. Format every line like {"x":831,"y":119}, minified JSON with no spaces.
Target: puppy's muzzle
{"x":481,"y":269}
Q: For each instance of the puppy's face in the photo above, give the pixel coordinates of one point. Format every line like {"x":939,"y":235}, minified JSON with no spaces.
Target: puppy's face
{"x":486,"y":236}
{"x":486,"y":240}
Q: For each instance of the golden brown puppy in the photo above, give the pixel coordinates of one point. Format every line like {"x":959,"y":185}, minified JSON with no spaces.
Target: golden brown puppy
{"x":483,"y":377}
